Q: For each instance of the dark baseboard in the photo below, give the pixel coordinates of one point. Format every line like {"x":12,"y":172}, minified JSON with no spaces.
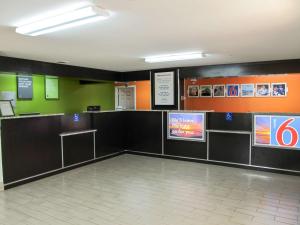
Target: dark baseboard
{"x":38,"y":177}
{"x":271,"y":170}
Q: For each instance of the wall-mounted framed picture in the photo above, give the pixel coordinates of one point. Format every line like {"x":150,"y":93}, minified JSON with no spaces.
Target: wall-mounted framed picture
{"x":206,"y":91}
{"x":279,"y":89}
{"x":6,"y":109}
{"x":219,"y":91}
{"x":193,"y":91}
{"x":262,"y":90}
{"x":24,"y":87}
{"x":247,"y":90}
{"x":164,"y":88}
{"x":232,"y":90}
{"x":51,"y":87}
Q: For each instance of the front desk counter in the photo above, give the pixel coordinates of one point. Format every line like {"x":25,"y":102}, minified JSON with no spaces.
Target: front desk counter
{"x":38,"y":146}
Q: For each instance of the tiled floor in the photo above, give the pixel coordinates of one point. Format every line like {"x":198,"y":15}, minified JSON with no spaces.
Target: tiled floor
{"x":137,"y":190}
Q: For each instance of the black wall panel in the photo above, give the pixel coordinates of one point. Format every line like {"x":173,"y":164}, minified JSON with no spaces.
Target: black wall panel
{"x":143,"y":131}
{"x":229,"y":147}
{"x":136,"y":75}
{"x":242,"y":69}
{"x":78,"y":148}
{"x":16,"y":65}
{"x":110,"y":132}
{"x":30,"y":146}
{"x":191,"y":149}
{"x":276,"y":158}
{"x":240,"y":121}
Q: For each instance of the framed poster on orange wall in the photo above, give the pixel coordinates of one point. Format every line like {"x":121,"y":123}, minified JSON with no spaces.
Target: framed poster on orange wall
{"x":262,"y":90}
{"x":219,"y":90}
{"x":193,"y":91}
{"x":232,"y":90}
{"x":206,"y":91}
{"x":279,"y":89}
{"x":247,"y":90}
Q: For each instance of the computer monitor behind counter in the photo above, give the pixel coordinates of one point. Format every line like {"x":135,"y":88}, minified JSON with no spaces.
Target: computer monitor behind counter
{"x":93,"y":108}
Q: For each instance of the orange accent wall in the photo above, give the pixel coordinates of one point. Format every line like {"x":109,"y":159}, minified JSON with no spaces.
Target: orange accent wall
{"x":288,"y":104}
{"x":143,"y":94}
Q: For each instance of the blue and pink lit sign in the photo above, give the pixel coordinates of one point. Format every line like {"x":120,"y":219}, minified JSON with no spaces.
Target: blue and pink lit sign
{"x":277,"y":131}
{"x":186,"y":126}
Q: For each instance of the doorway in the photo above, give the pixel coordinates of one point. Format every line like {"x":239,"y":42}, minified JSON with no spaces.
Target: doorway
{"x":125,"y":98}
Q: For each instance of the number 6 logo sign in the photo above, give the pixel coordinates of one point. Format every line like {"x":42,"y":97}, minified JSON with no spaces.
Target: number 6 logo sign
{"x":277,"y":131}
{"x":284,"y":127}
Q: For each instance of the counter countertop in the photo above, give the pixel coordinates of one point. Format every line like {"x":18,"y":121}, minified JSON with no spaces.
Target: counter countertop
{"x":70,"y":133}
{"x":108,"y":111}
{"x":146,"y":110}
{"x":31,"y":116}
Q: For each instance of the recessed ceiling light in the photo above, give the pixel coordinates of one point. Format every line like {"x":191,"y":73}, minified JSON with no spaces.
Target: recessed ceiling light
{"x":63,"y":21}
{"x":174,"y":57}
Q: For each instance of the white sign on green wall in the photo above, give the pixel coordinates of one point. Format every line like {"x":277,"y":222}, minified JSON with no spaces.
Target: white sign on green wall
{"x":51,"y":87}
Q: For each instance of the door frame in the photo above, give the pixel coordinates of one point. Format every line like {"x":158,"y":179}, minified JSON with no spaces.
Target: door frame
{"x":117,"y":94}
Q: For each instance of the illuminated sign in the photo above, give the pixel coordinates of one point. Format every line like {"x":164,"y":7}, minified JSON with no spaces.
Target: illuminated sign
{"x":229,"y":117}
{"x":186,"y":126}
{"x":277,"y":131}
{"x":76,"y":117}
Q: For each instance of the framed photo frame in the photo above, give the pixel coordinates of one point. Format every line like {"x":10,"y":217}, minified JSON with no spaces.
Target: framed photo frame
{"x":232,"y":90}
{"x":262,"y":90}
{"x":206,"y":91}
{"x":24,"y":87}
{"x":164,"y":88}
{"x":247,"y":90}
{"x":51,"y":88}
{"x":6,"y":108}
{"x":193,"y":91}
{"x":279,"y":89}
{"x":219,"y":91}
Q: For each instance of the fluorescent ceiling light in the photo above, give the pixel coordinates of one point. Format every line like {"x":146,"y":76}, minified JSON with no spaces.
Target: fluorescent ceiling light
{"x":67,"y":20}
{"x":174,"y":57}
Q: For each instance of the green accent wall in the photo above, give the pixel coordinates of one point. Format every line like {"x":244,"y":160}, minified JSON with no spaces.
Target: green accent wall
{"x":73,"y":97}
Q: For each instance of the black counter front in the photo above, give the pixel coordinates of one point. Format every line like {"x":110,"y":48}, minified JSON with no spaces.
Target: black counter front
{"x":32,"y":147}
{"x":191,"y":149}
{"x":110,"y":132}
{"x":143,"y":131}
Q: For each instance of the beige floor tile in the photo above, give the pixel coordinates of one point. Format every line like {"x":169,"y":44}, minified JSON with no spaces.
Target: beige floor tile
{"x":136,"y":190}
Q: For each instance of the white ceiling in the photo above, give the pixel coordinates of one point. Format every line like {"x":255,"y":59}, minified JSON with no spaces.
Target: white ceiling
{"x":229,"y":31}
